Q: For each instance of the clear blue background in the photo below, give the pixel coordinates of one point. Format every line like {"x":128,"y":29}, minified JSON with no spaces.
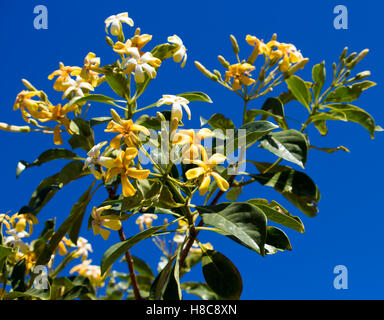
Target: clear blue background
{"x":348,"y":229}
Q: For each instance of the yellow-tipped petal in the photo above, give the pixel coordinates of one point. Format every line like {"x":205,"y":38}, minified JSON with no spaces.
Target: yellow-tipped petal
{"x":216,"y":159}
{"x":137,"y":127}
{"x":136,"y":173}
{"x":128,"y":189}
{"x":194,"y":173}
{"x":112,"y":173}
{"x":115,"y":142}
{"x":221,"y":182}
{"x":204,"y":184}
{"x":105,"y":233}
{"x":57,"y":136}
{"x":112,"y":224}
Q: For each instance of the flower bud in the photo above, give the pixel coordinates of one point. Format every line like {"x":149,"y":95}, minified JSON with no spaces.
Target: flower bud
{"x":351,"y":57}
{"x":300,"y":65}
{"x":223,"y":62}
{"x":204,"y":71}
{"x":235,"y":46}
{"x":28,"y":85}
{"x":10,"y":128}
{"x":161,"y":116}
{"x":109,"y":41}
{"x":362,"y":75}
{"x":343,"y":54}
{"x":115,"y":116}
{"x":137,"y":31}
{"x":355,"y":61}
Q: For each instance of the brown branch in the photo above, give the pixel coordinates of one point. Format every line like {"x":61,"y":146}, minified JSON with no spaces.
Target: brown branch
{"x":129,"y":259}
{"x":194,"y":232}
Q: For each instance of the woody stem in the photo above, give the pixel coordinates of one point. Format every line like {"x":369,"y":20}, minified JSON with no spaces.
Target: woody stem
{"x":129,"y":259}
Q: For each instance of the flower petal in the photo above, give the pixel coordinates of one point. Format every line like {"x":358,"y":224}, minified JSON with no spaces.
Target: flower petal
{"x":204,"y":184}
{"x":221,"y":182}
{"x":128,"y":189}
{"x":194,"y":173}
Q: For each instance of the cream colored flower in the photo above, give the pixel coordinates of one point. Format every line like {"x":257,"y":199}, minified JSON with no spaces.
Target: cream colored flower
{"x":107,"y":221}
{"x":78,"y":87}
{"x":181,"y":52}
{"x":177,"y":104}
{"x":115,"y":21}
{"x":146,"y":220}
{"x":141,"y":64}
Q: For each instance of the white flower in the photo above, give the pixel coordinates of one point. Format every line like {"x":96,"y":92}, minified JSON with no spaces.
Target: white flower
{"x":162,"y":263}
{"x":141,"y":64}
{"x":14,"y":239}
{"x":177,"y":104}
{"x":83,"y":247}
{"x":77,"y":87}
{"x":94,"y":159}
{"x":181,"y":52}
{"x":115,"y":23}
{"x":179,"y":238}
{"x":146,"y":219}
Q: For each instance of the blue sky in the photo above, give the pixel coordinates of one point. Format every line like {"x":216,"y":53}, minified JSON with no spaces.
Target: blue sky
{"x":347,"y":230}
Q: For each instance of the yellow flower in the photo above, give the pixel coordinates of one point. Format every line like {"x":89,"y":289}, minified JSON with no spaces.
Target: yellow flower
{"x":138,"y":41}
{"x":29,"y":107}
{"x":4,"y":218}
{"x":123,"y":167}
{"x":92,"y":272}
{"x":95,"y":160}
{"x":88,"y":73}
{"x":62,"y":247}
{"x":241,"y":74}
{"x":107,"y":221}
{"x":127,"y":130}
{"x":205,"y":169}
{"x":30,"y":259}
{"x":191,"y":142}
{"x":64,"y":73}
{"x":260,"y":46}
{"x":146,"y":219}
{"x":22,"y":221}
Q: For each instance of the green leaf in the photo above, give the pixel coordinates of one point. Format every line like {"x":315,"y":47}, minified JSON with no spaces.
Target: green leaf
{"x":221,"y":275}
{"x":354,"y":114}
{"x":233,"y":193}
{"x":195,"y":96}
{"x":242,"y":222}
{"x":276,"y":213}
{"x":118,"y":83}
{"x":202,"y":290}
{"x":330,"y":150}
{"x":348,"y":93}
{"x":49,"y":186}
{"x":295,"y":186}
{"x":92,"y":98}
{"x":30,"y":293}
{"x":164,"y":51}
{"x":277,"y":240}
{"x":83,"y":136}
{"x":247,"y":134}
{"x":17,"y":276}
{"x":5,"y":251}
{"x":290,"y":145}
{"x":77,"y":212}
{"x":318,"y":76}
{"x":46,"y":156}
{"x":118,"y":249}
{"x":299,"y":90}
{"x":99,"y":120}
{"x":219,"y":121}
{"x":142,"y":267}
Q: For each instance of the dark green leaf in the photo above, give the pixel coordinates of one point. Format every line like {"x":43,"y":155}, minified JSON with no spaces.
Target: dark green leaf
{"x":118,"y":83}
{"x":290,"y":145}
{"x":46,"y":156}
{"x":221,"y":275}
{"x":300,"y":91}
{"x":354,"y":114}
{"x":276,"y":213}
{"x":195,"y":96}
{"x":241,"y":221}
{"x":294,"y":185}
{"x":118,"y":249}
{"x":99,"y":120}
{"x":277,"y":240}
{"x":202,"y":290}
{"x":92,"y":98}
{"x":219,"y":121}
{"x":76,"y":213}
{"x":348,"y":93}
{"x":318,"y":76}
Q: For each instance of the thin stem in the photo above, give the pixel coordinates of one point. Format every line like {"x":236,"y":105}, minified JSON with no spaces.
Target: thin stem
{"x":129,"y":259}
